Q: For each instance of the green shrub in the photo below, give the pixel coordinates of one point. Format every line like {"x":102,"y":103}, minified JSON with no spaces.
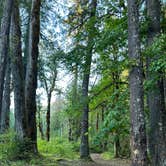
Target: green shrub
{"x":59,"y":147}
{"x":12,"y":148}
{"x":7,"y":146}
{"x":108,"y":155}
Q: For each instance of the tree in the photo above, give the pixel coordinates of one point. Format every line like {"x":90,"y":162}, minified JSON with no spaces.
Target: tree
{"x":47,"y":77}
{"x":39,"y":115}
{"x":31,"y":74}
{"x":138,"y":133}
{"x":18,"y":74}
{"x":84,"y":147}
{"x":156,"y":105}
{"x":4,"y":40}
{"x":6,"y":99}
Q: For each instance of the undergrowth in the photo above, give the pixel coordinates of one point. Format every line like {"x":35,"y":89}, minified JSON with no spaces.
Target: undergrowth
{"x":59,"y":147}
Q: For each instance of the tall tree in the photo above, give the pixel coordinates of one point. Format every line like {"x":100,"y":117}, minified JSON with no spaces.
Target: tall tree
{"x":4,"y":43}
{"x":156,"y":93}
{"x":18,"y":73}
{"x":31,"y":73}
{"x":6,"y":99}
{"x":138,"y":133}
{"x":84,"y":147}
{"x":48,"y":64}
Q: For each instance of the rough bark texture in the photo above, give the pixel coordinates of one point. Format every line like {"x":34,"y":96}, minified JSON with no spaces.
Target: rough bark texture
{"x":40,"y":124}
{"x":6,"y":99}
{"x":84,"y":147}
{"x":157,"y":137}
{"x":18,"y":74}
{"x":26,"y":39}
{"x":4,"y":43}
{"x":48,"y":117}
{"x":138,"y":133}
{"x":31,"y":74}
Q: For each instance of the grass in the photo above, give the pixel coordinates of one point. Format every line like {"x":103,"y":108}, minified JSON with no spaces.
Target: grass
{"x":35,"y":161}
{"x":107,"y":155}
{"x":59,"y":148}
{"x":49,"y":152}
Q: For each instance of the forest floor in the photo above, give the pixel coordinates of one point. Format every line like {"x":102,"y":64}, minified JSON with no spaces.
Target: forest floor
{"x":97,"y":161}
{"x":54,"y":161}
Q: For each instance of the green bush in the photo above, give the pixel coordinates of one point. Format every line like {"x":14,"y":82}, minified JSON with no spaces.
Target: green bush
{"x":59,"y":147}
{"x":108,"y":155}
{"x":8,"y":146}
{"x":12,"y":149}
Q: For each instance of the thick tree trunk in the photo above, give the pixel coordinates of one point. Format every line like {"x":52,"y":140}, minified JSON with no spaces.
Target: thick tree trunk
{"x":48,"y":117}
{"x":6,"y":99}
{"x":18,"y":74}
{"x":157,"y":143}
{"x":26,"y":40}
{"x":4,"y":43}
{"x":138,"y":133}
{"x":31,"y":74}
{"x":84,"y":147}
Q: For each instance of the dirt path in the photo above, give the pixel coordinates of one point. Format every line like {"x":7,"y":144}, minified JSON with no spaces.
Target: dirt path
{"x":98,"y":161}
{"x":114,"y":162}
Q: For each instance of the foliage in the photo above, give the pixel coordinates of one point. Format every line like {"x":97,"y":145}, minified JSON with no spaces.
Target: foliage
{"x":59,"y":147}
{"x":108,"y":155}
{"x":158,"y":66}
{"x":12,"y":148}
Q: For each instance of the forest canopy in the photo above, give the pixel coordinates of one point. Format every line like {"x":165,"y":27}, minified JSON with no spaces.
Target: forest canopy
{"x":83,"y":82}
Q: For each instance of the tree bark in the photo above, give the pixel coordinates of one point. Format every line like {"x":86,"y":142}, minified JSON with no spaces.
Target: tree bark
{"x":117,"y":146}
{"x":84,"y":147}
{"x":4,"y":43}
{"x":157,"y":136}
{"x":18,"y":73}
{"x":138,"y":133}
{"x":31,"y":74}
{"x":6,"y":99}
{"x":26,"y":39}
{"x":48,"y":117}
{"x":40,"y":125}
{"x":97,"y":122}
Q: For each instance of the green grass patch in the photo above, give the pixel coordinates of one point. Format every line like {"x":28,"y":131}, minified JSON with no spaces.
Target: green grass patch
{"x":59,"y":148}
{"x":107,"y":155}
{"x":35,"y":161}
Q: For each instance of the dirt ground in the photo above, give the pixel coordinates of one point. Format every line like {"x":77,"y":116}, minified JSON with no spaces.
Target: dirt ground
{"x":97,"y":161}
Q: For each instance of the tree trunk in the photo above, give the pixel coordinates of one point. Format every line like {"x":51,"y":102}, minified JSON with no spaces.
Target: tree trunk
{"x":138,"y":133}
{"x":48,"y":117}
{"x":117,"y":146}
{"x":84,"y":147}
{"x":40,"y":125}
{"x":157,"y":143}
{"x":97,"y":122}
{"x":6,"y":99}
{"x":4,"y":43}
{"x":70,"y":130}
{"x":26,"y":39}
{"x":31,"y":74}
{"x":18,"y":73}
